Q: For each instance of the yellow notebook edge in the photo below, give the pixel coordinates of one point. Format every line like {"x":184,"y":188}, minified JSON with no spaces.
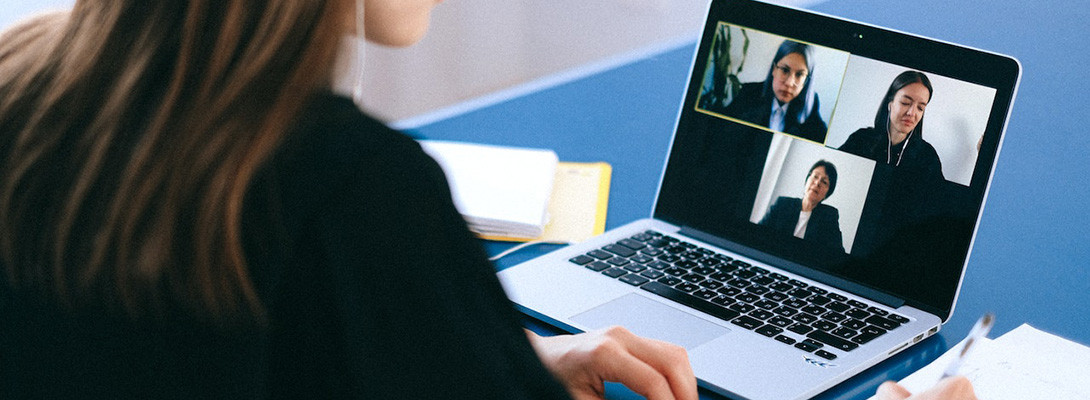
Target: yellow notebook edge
{"x":601,"y":209}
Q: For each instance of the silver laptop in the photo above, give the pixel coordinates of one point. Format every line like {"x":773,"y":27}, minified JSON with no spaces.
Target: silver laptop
{"x":817,"y":207}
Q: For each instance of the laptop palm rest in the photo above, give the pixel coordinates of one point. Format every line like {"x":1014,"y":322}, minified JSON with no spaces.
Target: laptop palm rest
{"x":649,"y":318}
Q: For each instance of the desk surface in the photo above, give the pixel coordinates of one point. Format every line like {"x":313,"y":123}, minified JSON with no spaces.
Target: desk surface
{"x":1028,"y":262}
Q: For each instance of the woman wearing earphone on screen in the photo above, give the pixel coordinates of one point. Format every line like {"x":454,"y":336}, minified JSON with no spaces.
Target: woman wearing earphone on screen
{"x":188,"y":211}
{"x":897,"y":136}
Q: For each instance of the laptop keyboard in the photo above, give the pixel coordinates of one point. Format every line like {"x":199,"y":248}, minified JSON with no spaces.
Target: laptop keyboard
{"x":792,"y":312}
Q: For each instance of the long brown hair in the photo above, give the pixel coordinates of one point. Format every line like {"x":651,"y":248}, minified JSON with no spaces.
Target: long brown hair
{"x":129,"y":132}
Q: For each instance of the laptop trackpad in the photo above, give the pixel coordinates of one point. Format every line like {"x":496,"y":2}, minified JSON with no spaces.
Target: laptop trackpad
{"x":649,"y":318}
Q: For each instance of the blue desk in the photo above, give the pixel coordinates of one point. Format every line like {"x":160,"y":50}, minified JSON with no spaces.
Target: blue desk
{"x":1028,"y":263}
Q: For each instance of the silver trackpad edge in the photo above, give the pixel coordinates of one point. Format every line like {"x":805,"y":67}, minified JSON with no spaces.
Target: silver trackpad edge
{"x":649,"y":318}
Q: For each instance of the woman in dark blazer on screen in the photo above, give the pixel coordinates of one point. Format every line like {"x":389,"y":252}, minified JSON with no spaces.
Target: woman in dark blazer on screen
{"x":807,"y":218}
{"x":787,"y":88}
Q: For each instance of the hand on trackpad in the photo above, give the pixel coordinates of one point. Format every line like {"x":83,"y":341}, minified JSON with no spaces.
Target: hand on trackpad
{"x":649,"y":318}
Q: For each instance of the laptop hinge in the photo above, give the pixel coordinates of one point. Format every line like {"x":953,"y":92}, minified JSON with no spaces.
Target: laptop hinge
{"x":823,"y":277}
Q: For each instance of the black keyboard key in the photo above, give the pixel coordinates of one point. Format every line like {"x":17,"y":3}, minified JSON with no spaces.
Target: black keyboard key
{"x":675,"y":271}
{"x":881,"y":322}
{"x":781,"y":287}
{"x":704,"y":270}
{"x":744,"y":273}
{"x":776,"y":296}
{"x":746,"y":322}
{"x":730,"y":291}
{"x":826,"y":355}
{"x":652,"y":274}
{"x":786,"y":311}
{"x":766,"y":304}
{"x":582,"y":259}
{"x":877,"y":311}
{"x":864,"y":338}
{"x":687,"y":287}
{"x":634,"y":280}
{"x":692,"y":278}
{"x":758,"y":290}
{"x":742,"y":307}
{"x":721,"y":276}
{"x":635,"y":268}
{"x":853,"y":324}
{"x":815,"y":310}
{"x":685,"y":299}
{"x":632,"y":244}
{"x":858,"y":304}
{"x":763,"y":280}
{"x":801,"y":329}
{"x":598,"y":266}
{"x":795,"y":303}
{"x":651,"y":251}
{"x":706,"y":294}
{"x":873,"y":330}
{"x":785,"y":339}
{"x":615,"y":272}
{"x":805,"y":318}
{"x":824,"y":325}
{"x":761,"y":314}
{"x":834,"y":317}
{"x":812,"y":342}
{"x":739,"y":283}
{"x":779,"y":276}
{"x":619,"y":250}
{"x":829,"y":339}
{"x":846,"y":333}
{"x":818,"y":290}
{"x":711,"y":284}
{"x":806,"y":346}
{"x":669,"y":258}
{"x":599,"y":254}
{"x":618,"y":261}
{"x":898,"y":319}
{"x":780,"y":322}
{"x":670,"y":281}
{"x":642,"y":258}
{"x":724,"y":300}
{"x":857,"y":313}
{"x":687,"y":264}
{"x":820,"y":300}
{"x":769,"y":330}
{"x":747,"y":297}
{"x":659,"y":265}
{"x":838,"y":306}
{"x":798,"y":283}
{"x":800,"y":293}
{"x":838,"y":297}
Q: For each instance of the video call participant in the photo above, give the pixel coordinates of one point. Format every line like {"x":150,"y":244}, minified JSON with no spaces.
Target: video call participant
{"x":807,"y":218}
{"x":896,"y":139}
{"x":785,"y":101}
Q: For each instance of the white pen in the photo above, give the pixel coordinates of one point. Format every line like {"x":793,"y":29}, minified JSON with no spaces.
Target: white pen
{"x":979,"y":331}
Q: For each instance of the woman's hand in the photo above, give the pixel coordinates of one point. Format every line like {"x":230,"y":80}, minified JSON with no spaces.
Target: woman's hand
{"x":654,"y":369}
{"x":952,"y":388}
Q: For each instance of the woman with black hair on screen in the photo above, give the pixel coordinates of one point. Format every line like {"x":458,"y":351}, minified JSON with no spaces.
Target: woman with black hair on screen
{"x":896,"y":139}
{"x":785,"y":101}
{"x":188,"y":211}
{"x":807,"y":218}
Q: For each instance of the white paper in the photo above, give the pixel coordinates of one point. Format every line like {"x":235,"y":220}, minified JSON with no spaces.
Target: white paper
{"x":1025,"y":363}
{"x":498,"y":190}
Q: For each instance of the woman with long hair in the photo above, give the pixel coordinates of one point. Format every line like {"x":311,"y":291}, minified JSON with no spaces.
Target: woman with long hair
{"x":785,"y":101}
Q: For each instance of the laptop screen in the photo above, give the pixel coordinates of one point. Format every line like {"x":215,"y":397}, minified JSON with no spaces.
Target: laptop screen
{"x":844,"y":148}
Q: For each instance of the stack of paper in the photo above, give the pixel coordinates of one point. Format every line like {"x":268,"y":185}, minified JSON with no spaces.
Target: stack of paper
{"x":521,"y":194}
{"x":1025,"y":363}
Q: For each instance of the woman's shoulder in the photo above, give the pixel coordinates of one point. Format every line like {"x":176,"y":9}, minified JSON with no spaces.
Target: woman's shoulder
{"x":332,"y":133}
